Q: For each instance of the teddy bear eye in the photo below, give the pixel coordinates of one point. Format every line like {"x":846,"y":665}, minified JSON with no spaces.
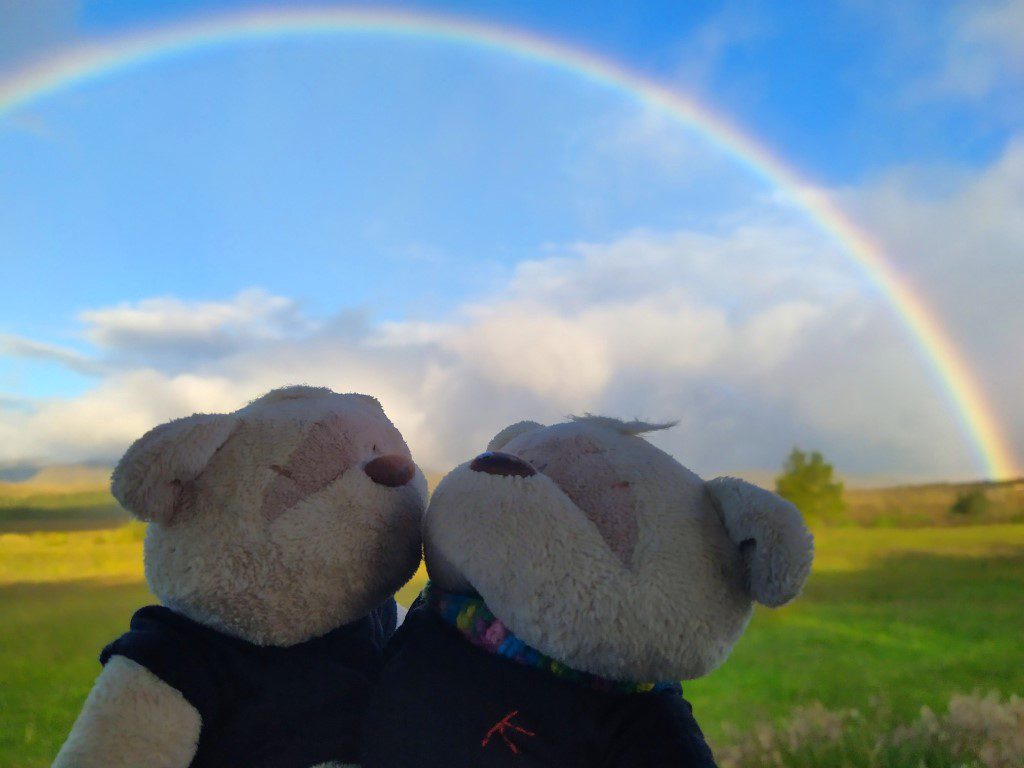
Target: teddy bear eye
{"x":282,"y":471}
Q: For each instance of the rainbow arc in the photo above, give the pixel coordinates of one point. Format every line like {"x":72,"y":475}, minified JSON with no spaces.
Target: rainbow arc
{"x":107,"y":59}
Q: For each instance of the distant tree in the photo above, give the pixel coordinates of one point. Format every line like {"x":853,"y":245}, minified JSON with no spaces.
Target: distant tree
{"x":970,"y":503}
{"x":807,"y":481}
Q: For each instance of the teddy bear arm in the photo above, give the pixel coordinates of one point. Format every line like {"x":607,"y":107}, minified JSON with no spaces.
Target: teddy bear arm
{"x":131,"y":718}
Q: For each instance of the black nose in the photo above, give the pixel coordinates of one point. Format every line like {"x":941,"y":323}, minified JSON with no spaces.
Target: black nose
{"x":391,"y":471}
{"x":496,"y":463}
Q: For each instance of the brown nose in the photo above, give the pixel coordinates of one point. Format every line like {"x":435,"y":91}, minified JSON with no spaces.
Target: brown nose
{"x":497,"y":463}
{"x":391,"y":471}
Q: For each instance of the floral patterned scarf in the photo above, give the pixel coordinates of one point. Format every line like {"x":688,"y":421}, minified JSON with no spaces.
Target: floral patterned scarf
{"x":472,"y":617}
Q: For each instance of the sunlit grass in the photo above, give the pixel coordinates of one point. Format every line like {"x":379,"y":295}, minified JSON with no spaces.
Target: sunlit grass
{"x":906,"y":618}
{"x":109,"y":555}
{"x":900,"y":617}
{"x":845,"y":549}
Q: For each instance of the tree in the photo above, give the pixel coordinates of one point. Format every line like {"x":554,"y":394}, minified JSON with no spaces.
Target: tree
{"x":807,"y":481}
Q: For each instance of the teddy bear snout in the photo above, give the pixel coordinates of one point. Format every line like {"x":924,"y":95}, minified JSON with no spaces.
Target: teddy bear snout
{"x":392,"y":471}
{"x":498,"y":463}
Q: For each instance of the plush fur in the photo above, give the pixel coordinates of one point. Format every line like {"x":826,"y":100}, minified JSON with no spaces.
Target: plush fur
{"x":281,"y":537}
{"x":776,"y":547}
{"x":131,"y":718}
{"x":614,"y":558}
{"x":262,"y":525}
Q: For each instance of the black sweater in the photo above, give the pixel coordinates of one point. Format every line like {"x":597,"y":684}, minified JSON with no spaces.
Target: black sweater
{"x":442,"y":701}
{"x":264,"y":706}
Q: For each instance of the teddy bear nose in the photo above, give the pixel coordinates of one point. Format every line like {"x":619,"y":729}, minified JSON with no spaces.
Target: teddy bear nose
{"x":391,"y":471}
{"x":497,"y":463}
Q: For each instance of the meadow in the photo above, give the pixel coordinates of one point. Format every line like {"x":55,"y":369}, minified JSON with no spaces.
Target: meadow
{"x":891,"y":620}
{"x":914,"y":506}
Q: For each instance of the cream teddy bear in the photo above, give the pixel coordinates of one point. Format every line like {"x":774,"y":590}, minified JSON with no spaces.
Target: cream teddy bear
{"x":577,"y":573}
{"x":277,"y":536}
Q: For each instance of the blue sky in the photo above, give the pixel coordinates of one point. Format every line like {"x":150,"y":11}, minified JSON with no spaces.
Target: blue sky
{"x":810,"y":76}
{"x":456,"y":227}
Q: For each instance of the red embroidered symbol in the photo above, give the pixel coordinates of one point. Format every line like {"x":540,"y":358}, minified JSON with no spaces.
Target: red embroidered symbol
{"x":503,"y":725}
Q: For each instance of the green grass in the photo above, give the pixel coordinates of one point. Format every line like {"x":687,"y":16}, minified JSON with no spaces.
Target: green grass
{"x":50,"y":639}
{"x":907,"y":631}
{"x":901,"y":617}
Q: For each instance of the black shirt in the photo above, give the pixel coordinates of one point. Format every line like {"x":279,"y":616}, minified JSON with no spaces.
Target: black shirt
{"x":264,"y":706}
{"x":442,"y":701}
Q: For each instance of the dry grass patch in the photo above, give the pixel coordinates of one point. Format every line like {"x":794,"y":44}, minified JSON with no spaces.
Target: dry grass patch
{"x":975,"y":731}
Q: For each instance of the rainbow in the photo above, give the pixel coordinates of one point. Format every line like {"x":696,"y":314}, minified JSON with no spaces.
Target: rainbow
{"x":108,"y":58}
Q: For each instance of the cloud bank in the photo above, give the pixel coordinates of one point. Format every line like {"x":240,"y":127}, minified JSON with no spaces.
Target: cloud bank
{"x":756,"y":338}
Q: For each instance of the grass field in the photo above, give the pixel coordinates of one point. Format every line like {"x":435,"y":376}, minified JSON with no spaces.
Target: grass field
{"x":909,"y":506}
{"x":898,"y":617}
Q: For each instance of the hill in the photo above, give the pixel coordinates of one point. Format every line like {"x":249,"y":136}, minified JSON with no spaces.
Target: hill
{"x":58,"y":479}
{"x":71,"y":497}
{"x":932,"y":504}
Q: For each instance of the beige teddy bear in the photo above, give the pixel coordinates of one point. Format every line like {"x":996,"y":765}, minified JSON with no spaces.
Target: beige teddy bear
{"x":577,"y":574}
{"x":277,"y":536}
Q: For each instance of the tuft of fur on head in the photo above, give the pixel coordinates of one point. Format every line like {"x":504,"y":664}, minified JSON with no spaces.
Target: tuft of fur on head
{"x":634,"y":427}
{"x":307,"y":391}
{"x":292,"y":392}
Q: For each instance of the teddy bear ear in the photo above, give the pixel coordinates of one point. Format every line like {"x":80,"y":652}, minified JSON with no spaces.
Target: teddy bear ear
{"x":510,"y":433}
{"x":776,"y":546}
{"x":153,"y":479}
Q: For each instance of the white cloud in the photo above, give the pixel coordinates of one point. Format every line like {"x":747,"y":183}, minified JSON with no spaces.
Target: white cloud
{"x":985,"y":50}
{"x":100,"y":423}
{"x":167,"y":329}
{"x":702,"y":52}
{"x":755,"y":333}
{"x":958,"y":236}
{"x":16,"y":346}
{"x":795,"y":360}
{"x":968,"y":51}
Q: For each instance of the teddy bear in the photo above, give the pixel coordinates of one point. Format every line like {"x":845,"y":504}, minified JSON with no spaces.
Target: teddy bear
{"x":277,"y":536}
{"x":577,"y":573}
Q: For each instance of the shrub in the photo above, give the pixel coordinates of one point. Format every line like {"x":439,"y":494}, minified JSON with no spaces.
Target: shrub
{"x":971,"y":503}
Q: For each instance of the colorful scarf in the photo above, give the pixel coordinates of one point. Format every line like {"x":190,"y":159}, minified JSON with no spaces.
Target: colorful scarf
{"x":472,"y":617}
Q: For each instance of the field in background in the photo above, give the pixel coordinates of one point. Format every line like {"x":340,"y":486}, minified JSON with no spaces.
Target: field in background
{"x":897,"y":617}
{"x":60,"y":498}
{"x":921,"y":505}
{"x":76,"y":497}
